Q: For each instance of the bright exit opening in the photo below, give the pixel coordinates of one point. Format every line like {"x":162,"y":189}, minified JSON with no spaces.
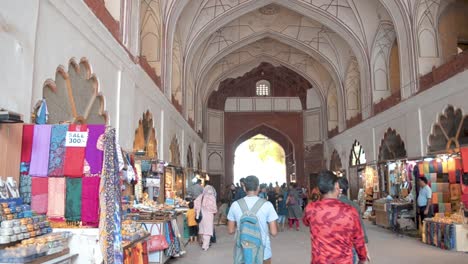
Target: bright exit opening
{"x":262,"y":157}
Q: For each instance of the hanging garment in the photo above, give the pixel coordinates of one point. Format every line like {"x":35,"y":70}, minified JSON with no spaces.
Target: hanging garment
{"x":110,"y":237}
{"x":57,"y":150}
{"x":40,"y":151}
{"x":25,"y":188}
{"x":26,"y":143}
{"x":90,"y":201}
{"x":94,"y":149}
{"x":464,"y":155}
{"x":445,"y":166}
{"x":74,"y":156}
{"x":56,"y":199}
{"x":73,"y":200}
{"x":39,"y":193}
{"x":42,"y":113}
{"x":421,"y":169}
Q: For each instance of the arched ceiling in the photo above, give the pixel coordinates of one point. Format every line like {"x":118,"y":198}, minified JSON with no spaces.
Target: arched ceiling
{"x":322,"y":40}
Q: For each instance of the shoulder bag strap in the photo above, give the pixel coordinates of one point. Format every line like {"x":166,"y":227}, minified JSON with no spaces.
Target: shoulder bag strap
{"x":257,"y":206}
{"x":243,"y":205}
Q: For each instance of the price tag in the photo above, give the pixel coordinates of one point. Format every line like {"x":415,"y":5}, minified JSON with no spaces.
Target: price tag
{"x":76,"y":139}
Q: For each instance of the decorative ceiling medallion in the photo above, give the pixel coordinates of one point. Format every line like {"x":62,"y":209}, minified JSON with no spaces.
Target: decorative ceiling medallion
{"x":269,"y":10}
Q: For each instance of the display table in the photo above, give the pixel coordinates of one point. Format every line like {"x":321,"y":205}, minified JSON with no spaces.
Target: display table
{"x":399,"y":211}
{"x":445,"y":236}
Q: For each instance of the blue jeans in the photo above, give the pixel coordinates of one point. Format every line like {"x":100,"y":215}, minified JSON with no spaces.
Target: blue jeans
{"x":281,"y":219}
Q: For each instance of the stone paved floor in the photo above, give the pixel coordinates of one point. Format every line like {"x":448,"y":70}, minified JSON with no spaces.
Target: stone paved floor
{"x":294,"y":247}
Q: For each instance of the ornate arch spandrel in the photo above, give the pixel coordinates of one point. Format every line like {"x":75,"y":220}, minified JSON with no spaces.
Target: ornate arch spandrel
{"x":145,"y":136}
{"x":175,"y":152}
{"x":74,"y":96}
{"x":357,"y":156}
{"x":449,"y":132}
{"x":392,"y":146}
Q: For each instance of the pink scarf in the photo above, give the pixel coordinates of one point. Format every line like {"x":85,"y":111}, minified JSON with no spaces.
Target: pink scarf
{"x":56,"y":199}
{"x":90,"y":201}
{"x":39,"y":190}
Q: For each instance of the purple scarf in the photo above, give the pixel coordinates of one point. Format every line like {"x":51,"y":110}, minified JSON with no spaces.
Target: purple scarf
{"x":94,"y":150}
{"x":40,"y":151}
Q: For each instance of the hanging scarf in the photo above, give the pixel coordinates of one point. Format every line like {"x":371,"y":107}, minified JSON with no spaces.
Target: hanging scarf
{"x":73,"y":200}
{"x":74,"y":156}
{"x":94,"y":150}
{"x":39,"y":191}
{"x":25,"y":188}
{"x":40,"y":151}
{"x":57,"y":149}
{"x":56,"y":201}
{"x":42,"y":113}
{"x":26,"y":143}
{"x":109,"y":200}
{"x":90,"y":201}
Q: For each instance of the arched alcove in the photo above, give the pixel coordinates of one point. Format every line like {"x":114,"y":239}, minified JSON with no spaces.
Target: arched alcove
{"x":145,"y":137}
{"x":335,"y":161}
{"x":453,"y":29}
{"x":392,"y":146}
{"x":449,"y":132}
{"x":357,"y":160}
{"x":174,"y":151}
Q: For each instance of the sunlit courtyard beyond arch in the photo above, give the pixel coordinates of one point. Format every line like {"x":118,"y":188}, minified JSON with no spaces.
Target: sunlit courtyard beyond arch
{"x":262,"y":157}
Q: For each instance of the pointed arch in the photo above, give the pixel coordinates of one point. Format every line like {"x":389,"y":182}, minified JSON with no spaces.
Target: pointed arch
{"x":391,"y":146}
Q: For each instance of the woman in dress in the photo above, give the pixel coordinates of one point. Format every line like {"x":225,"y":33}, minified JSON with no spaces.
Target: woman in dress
{"x":294,"y":203}
{"x":206,"y":204}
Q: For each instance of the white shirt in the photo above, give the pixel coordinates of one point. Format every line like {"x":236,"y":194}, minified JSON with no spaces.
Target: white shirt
{"x":266,"y":214}
{"x":424,"y":194}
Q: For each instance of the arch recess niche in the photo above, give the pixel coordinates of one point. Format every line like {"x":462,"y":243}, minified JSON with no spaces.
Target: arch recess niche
{"x":449,"y":132}
{"x":175,"y":152}
{"x":392,"y":146}
{"x":73,"y":97}
{"x":335,"y":161}
{"x":145,"y":137}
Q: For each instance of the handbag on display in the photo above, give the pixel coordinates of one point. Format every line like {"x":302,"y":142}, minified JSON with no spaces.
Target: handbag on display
{"x":156,"y":242}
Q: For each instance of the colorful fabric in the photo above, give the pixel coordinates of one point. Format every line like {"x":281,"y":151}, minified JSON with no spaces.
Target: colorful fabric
{"x":39,"y":194}
{"x":110,"y":237}
{"x":42,"y":113}
{"x":426,"y":168}
{"x":334,"y":231}
{"x":455,"y":191}
{"x":464,"y":155}
{"x":90,"y":201}
{"x":56,"y":198}
{"x":57,"y":149}
{"x":445,"y":167}
{"x":433,"y":166}
{"x":94,"y":150}
{"x":40,"y":151}
{"x":421,"y":169}
{"x":73,"y":200}
{"x":26,"y":143}
{"x":74,"y":156}
{"x":25,"y":188}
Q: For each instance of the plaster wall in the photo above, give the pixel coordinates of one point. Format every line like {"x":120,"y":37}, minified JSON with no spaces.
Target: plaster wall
{"x":412,"y":119}
{"x":48,"y":34}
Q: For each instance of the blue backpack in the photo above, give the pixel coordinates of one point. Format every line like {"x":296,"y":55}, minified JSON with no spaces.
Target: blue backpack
{"x":249,"y":243}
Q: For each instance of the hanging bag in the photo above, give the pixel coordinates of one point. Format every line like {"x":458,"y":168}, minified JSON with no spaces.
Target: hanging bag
{"x":156,"y":242}
{"x":199,"y":217}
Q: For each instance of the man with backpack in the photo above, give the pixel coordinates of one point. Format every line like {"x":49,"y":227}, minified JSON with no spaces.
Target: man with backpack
{"x":253,"y":220}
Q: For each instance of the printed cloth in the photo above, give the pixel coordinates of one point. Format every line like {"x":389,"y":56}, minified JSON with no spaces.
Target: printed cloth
{"x":40,"y":151}
{"x":26,"y":143}
{"x":25,"y":188}
{"x":73,"y":200}
{"x":74,"y":156}
{"x":90,"y":201}
{"x":57,"y":149}
{"x":39,"y":193}
{"x":94,"y":150}
{"x":110,"y":237}
{"x":334,"y":231}
{"x":56,"y":199}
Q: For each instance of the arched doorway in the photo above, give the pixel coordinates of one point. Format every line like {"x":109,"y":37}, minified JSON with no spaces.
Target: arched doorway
{"x":260,"y":156}
{"x":273,"y":135}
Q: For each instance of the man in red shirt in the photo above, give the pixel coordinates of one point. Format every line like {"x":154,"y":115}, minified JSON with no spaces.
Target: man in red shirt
{"x":334,"y":226}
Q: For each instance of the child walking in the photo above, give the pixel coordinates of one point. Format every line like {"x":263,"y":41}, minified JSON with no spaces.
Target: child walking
{"x":192,"y":223}
{"x":282,"y":212}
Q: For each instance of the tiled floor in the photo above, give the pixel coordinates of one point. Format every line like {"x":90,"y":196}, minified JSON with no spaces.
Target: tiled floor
{"x":294,"y":247}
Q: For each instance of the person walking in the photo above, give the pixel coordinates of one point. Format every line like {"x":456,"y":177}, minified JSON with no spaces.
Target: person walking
{"x":334,"y":226}
{"x":205,"y":208}
{"x":344,"y":185}
{"x":240,"y":192}
{"x":252,"y":217}
{"x":282,"y":212}
{"x":294,"y":203}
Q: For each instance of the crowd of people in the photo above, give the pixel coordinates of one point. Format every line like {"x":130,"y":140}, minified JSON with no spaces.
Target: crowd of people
{"x":254,"y":212}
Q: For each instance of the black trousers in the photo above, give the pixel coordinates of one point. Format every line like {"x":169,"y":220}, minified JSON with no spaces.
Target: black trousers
{"x":422,"y":216}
